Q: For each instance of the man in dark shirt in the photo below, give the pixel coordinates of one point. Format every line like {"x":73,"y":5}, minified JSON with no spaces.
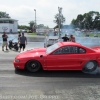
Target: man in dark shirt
{"x":19,"y":35}
{"x":4,"y":37}
{"x":65,"y":38}
{"x":23,"y":42}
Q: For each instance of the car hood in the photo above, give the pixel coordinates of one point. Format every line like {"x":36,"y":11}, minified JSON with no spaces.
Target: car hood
{"x":35,"y":52}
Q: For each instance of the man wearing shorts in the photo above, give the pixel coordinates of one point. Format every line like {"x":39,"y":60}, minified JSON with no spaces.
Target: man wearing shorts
{"x":4,"y":37}
{"x":23,"y":42}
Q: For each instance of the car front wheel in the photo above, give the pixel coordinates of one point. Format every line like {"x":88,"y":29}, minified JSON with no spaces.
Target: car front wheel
{"x":90,"y":66}
{"x":33,"y":66}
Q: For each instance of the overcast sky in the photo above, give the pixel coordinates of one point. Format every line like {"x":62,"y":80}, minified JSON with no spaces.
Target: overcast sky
{"x":23,"y":10}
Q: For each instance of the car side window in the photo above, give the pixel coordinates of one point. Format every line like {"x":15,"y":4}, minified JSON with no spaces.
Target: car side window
{"x":73,"y":49}
{"x":59,"y":51}
{"x":81,"y":50}
{"x":66,"y":50}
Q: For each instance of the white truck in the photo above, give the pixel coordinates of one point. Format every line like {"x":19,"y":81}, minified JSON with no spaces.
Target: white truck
{"x":51,"y":38}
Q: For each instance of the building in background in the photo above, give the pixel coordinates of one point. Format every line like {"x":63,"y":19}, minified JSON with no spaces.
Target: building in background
{"x":8,"y":25}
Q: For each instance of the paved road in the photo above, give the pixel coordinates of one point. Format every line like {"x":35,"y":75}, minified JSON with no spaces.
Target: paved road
{"x":45,"y":85}
{"x":49,"y":85}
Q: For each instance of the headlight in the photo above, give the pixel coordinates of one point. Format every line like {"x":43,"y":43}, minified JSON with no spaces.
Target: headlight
{"x":17,"y":60}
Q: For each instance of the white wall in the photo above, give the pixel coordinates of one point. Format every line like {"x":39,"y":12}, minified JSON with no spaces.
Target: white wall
{"x":8,"y":27}
{"x":4,"y":26}
{"x":11,"y":27}
{"x":15,"y":26}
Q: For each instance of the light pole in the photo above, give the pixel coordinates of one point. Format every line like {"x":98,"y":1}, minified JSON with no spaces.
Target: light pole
{"x":35,"y":19}
{"x":59,"y":19}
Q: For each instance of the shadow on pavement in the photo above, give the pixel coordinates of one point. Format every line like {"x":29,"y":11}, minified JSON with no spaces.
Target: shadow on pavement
{"x":64,"y":74}
{"x":5,"y":51}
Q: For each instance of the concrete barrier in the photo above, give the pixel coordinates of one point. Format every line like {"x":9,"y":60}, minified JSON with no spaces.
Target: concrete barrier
{"x":35,"y":39}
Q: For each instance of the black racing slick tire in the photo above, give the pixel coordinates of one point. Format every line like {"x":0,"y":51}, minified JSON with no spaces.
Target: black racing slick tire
{"x":90,"y":66}
{"x":33,"y":66}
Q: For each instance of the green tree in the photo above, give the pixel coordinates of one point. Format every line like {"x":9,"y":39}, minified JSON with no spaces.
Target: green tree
{"x":42,"y":26}
{"x":4,"y":15}
{"x":32,"y":26}
{"x":23,"y":27}
{"x":88,"y":20}
{"x":57,"y":18}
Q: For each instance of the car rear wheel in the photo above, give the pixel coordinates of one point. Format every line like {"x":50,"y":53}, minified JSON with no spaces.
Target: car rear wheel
{"x":90,"y":66}
{"x":33,"y":66}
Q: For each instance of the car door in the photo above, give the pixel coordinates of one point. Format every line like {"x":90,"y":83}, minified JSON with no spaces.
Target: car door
{"x":52,"y":62}
{"x":68,"y":57}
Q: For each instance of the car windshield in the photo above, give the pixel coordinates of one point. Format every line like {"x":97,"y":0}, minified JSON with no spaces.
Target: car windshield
{"x":51,"y":48}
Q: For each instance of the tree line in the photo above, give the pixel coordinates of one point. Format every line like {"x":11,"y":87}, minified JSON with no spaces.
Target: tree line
{"x":90,"y":21}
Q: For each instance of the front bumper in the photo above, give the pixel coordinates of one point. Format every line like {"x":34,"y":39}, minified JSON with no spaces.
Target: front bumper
{"x":18,"y":65}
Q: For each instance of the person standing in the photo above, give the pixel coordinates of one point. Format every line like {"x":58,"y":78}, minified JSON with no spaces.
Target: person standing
{"x":72,"y":38}
{"x":4,"y":37}
{"x":65,"y":38}
{"x":19,"y":35}
{"x":23,"y":42}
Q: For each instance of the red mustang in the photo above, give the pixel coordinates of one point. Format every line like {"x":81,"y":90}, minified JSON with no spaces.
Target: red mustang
{"x":60,"y":56}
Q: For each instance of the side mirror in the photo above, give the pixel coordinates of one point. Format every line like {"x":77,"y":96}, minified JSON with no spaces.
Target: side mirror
{"x":41,"y":56}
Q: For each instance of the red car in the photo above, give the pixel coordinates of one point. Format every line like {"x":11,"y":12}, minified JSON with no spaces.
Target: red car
{"x":60,"y":56}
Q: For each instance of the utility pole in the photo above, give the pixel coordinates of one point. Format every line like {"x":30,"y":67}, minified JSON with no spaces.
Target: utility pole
{"x":35,"y":19}
{"x":59,"y":19}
